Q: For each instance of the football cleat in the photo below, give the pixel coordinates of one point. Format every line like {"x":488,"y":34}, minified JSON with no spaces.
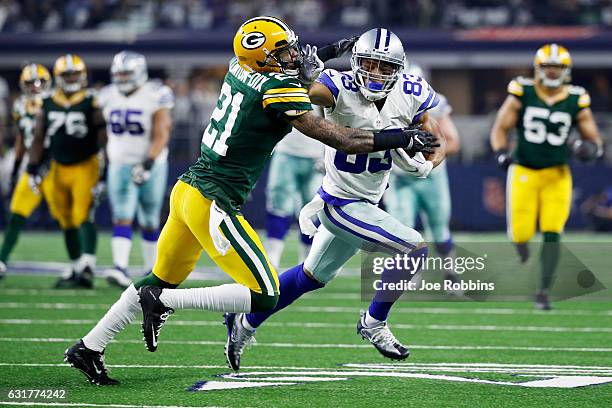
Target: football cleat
{"x":89,"y":362}
{"x":381,"y":337}
{"x":73,"y":280}
{"x":542,"y":302}
{"x":118,"y":277}
{"x":154,"y":315}
{"x":238,"y":338}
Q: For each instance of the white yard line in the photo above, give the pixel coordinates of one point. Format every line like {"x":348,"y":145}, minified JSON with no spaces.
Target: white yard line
{"x":326,"y":345}
{"x":321,"y":325}
{"x":334,"y":309}
{"x":406,"y":367}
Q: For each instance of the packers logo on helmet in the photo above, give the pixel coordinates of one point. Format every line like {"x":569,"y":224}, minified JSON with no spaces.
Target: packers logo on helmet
{"x":267,"y":44}
{"x":70,"y":73}
{"x":34,"y":80}
{"x":553,"y":65}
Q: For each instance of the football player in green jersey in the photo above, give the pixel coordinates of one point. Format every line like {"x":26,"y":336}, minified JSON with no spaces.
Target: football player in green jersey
{"x":74,"y":124}
{"x":34,"y":82}
{"x":261,"y":99}
{"x":539,"y":185}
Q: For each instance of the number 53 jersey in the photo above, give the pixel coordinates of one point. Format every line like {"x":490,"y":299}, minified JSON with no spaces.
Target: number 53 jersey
{"x":129,"y":120}
{"x":364,"y":177}
{"x":543,"y":129}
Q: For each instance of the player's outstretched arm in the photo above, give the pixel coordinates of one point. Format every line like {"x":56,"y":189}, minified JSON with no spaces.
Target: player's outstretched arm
{"x":320,"y":95}
{"x":505,"y":121}
{"x":354,"y":141}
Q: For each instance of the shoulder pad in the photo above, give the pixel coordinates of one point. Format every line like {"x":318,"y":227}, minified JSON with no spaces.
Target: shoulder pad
{"x":576,"y":90}
{"x":517,"y":86}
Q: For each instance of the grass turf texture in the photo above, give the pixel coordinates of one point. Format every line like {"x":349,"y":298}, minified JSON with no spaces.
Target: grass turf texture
{"x":37,"y":324}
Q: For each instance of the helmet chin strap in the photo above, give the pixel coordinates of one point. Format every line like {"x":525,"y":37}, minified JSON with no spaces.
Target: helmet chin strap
{"x":372,"y":96}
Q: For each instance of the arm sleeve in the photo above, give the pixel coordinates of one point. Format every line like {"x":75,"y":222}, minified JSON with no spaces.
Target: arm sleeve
{"x":165,"y":98}
{"x":287,"y":97}
{"x":427,"y":99}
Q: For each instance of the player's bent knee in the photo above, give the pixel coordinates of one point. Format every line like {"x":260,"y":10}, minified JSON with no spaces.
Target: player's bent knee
{"x":261,"y":302}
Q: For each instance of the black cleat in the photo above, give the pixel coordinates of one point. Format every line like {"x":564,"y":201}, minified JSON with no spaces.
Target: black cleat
{"x":238,"y":338}
{"x":83,"y":280}
{"x":90,"y":363}
{"x":154,"y":315}
{"x":542,"y":302}
{"x":522,"y":250}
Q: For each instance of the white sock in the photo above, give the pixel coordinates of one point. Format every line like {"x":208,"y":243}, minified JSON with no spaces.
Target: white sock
{"x":246,"y":324}
{"x":224,"y":298}
{"x":88,"y":260}
{"x":121,"y":247}
{"x":118,"y":316}
{"x":370,"y":321}
{"x":304,"y":249}
{"x":274,"y":250}
{"x":149,"y":253}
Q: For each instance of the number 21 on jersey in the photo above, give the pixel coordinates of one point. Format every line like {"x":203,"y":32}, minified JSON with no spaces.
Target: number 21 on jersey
{"x":216,"y":134}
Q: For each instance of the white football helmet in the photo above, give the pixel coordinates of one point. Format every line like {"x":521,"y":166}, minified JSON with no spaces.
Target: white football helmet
{"x":375,"y":80}
{"x":129,"y":71}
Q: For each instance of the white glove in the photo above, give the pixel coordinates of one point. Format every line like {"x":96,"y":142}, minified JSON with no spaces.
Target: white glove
{"x":417,"y":166}
{"x":308,"y":212}
{"x":312,"y":66}
{"x":140,"y":175}
{"x":34,"y":181}
{"x":217,"y":216}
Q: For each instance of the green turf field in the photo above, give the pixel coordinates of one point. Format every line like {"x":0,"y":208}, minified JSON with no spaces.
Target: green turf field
{"x":463,"y":354}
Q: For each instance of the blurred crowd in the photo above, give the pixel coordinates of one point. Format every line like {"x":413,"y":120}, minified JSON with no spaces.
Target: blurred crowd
{"x":146,"y":15}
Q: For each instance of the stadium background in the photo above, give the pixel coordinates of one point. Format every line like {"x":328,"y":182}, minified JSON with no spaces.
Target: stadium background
{"x":470,"y":49}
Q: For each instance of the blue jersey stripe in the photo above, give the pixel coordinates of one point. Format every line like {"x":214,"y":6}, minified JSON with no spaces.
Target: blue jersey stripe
{"x":327,"y":81}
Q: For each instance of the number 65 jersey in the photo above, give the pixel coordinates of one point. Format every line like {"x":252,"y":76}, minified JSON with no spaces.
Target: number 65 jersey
{"x":365,"y":176}
{"x":129,"y":120}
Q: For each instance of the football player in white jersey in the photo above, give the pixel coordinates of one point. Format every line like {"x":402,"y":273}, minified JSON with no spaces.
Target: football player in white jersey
{"x":137,"y":113}
{"x":430,"y":197}
{"x":293,"y":179}
{"x":373,"y":95}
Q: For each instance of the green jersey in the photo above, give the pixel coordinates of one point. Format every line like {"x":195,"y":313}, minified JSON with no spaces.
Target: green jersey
{"x":543,"y":129}
{"x":24,"y":113}
{"x":248,"y":121}
{"x":70,"y":126}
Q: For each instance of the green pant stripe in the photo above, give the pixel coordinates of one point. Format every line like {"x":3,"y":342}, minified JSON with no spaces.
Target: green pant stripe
{"x":244,"y":256}
{"x":255,"y":248}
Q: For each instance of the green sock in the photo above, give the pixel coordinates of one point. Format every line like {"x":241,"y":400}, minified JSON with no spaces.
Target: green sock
{"x":89,"y":237}
{"x":152,"y":280}
{"x":13,"y":229}
{"x":73,"y":244}
{"x":549,"y":258}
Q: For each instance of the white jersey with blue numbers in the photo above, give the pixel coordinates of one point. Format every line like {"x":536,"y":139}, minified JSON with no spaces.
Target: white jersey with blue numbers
{"x":365,"y":176}
{"x":129,"y":120}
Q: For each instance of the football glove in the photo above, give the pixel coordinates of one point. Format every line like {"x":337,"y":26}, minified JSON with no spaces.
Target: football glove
{"x":336,"y":49}
{"x":503,"y":159}
{"x":141,"y":173}
{"x":311,"y":66}
{"x":585,"y":150}
{"x":35,"y":179}
{"x":413,"y":139}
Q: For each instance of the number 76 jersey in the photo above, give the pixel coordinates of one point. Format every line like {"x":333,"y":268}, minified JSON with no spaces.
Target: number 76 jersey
{"x":129,"y":120}
{"x":365,"y":176}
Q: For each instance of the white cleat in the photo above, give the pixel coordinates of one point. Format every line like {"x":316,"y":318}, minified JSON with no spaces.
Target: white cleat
{"x":238,"y":338}
{"x":381,"y":337}
{"x":2,"y":269}
{"x":118,"y":277}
